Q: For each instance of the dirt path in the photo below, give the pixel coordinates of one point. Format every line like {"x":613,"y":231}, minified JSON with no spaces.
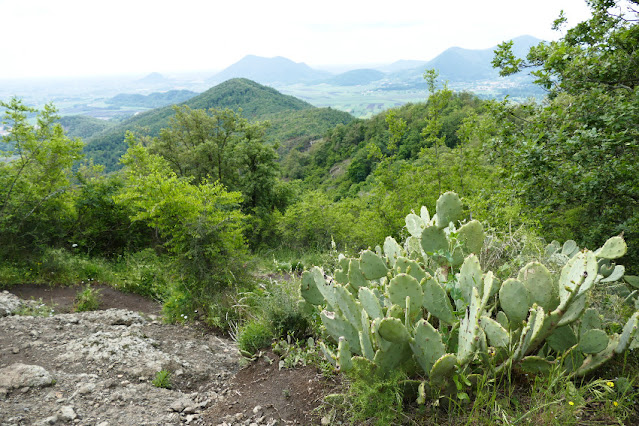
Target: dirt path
{"x":97,"y":368}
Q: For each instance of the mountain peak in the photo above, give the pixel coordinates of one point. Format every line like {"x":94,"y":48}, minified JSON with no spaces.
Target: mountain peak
{"x":269,"y":70}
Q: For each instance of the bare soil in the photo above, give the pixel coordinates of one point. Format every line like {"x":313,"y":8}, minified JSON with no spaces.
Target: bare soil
{"x":260,"y":393}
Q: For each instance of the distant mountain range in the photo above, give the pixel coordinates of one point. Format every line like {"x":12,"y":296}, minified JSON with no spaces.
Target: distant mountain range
{"x":454,"y":64}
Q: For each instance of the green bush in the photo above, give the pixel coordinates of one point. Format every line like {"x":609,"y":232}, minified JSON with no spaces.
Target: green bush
{"x":87,"y":300}
{"x":254,"y":335}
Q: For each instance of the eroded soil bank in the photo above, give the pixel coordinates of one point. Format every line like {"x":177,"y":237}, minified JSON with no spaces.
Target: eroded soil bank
{"x":97,"y":368}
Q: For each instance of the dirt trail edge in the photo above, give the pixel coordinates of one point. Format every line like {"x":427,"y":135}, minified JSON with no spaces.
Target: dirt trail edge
{"x":96,"y":368}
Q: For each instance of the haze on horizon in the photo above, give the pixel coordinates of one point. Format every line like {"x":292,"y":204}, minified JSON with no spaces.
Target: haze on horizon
{"x":69,"y":38}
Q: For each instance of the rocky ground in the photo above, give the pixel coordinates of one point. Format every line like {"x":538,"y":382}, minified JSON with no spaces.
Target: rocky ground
{"x":97,"y":368}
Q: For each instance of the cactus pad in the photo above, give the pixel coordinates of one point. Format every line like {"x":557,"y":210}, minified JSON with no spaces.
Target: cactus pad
{"x":414,"y":225}
{"x":372,"y":266}
{"x":370,"y":303}
{"x":410,"y":267}
{"x":471,"y":235}
{"x":513,"y":298}
{"x":614,"y":248}
{"x":393,"y":330}
{"x":436,"y":301}
{"x":355,"y":277}
{"x":433,"y":239}
{"x":469,"y":329}
{"x":496,"y":334}
{"x":392,"y":250}
{"x":628,"y":333}
{"x":309,"y":289}
{"x":562,"y":339}
{"x":593,"y":341}
{"x":443,"y":368}
{"x":470,"y":277}
{"x":403,"y":285}
{"x":338,"y":327}
{"x":590,"y":320}
{"x":540,"y":286}
{"x":449,"y":209}
{"x":427,"y":345}
{"x":535,"y":364}
{"x":351,"y":310}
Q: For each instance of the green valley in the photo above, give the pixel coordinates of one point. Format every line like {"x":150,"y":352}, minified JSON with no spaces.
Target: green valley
{"x":444,"y":244}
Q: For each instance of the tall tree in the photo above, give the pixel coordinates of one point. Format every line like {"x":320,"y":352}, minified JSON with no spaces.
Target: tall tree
{"x":221,"y":145}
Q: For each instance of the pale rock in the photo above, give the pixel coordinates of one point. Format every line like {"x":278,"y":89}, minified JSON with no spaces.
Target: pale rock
{"x":9,"y":303}
{"x":21,"y":375}
{"x":67,"y":413}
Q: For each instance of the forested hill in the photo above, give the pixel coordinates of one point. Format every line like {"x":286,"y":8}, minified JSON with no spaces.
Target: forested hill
{"x":256,"y":101}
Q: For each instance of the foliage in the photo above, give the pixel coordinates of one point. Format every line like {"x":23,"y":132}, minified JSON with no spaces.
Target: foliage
{"x":373,"y":398}
{"x":572,"y":161}
{"x":221,"y":145}
{"x":426,"y":306}
{"x":35,"y":308}
{"x":35,"y":200}
{"x":201,"y":225}
{"x":102,"y":227}
{"x":162,"y":379}
{"x":87,"y":300}
{"x":82,"y":126}
{"x":253,"y":336}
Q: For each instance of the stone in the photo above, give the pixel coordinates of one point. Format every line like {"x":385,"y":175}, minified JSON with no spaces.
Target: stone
{"x":180,"y":404}
{"x":21,"y":375}
{"x":86,"y":388}
{"x":67,"y":413}
{"x":50,"y":420}
{"x":9,"y":303}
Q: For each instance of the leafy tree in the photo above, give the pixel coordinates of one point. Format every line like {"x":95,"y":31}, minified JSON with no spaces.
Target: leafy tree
{"x":102,"y":226}
{"x":200,"y":223}
{"x":221,"y":145}
{"x":573,"y":161}
{"x":35,"y":190}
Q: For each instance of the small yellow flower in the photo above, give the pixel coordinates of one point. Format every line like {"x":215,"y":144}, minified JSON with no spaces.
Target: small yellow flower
{"x":612,"y":385}
{"x":571,"y":403}
{"x":616,"y":404}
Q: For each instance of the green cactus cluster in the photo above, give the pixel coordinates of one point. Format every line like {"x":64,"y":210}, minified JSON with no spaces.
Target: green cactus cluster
{"x":426,"y":306}
{"x":627,"y":286}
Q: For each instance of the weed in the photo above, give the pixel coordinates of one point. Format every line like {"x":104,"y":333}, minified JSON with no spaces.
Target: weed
{"x":162,"y":379}
{"x":254,"y":335}
{"x":35,"y":308}
{"x":87,"y":300}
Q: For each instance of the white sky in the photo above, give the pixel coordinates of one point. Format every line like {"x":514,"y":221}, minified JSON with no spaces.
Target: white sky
{"x":100,"y":37}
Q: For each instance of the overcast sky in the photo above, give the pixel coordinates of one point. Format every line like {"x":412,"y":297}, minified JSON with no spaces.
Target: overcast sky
{"x":101,"y":37}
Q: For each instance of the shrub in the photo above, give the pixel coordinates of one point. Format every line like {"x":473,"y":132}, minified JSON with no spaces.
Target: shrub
{"x":87,"y":300}
{"x":254,"y":335}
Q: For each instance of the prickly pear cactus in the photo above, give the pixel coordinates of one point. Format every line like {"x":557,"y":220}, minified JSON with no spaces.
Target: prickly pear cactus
{"x":427,"y":304}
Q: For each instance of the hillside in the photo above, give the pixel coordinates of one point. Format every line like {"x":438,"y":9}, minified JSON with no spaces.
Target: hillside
{"x":83,"y":126}
{"x":270,"y":70}
{"x":153,"y":100}
{"x":257,"y":102}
